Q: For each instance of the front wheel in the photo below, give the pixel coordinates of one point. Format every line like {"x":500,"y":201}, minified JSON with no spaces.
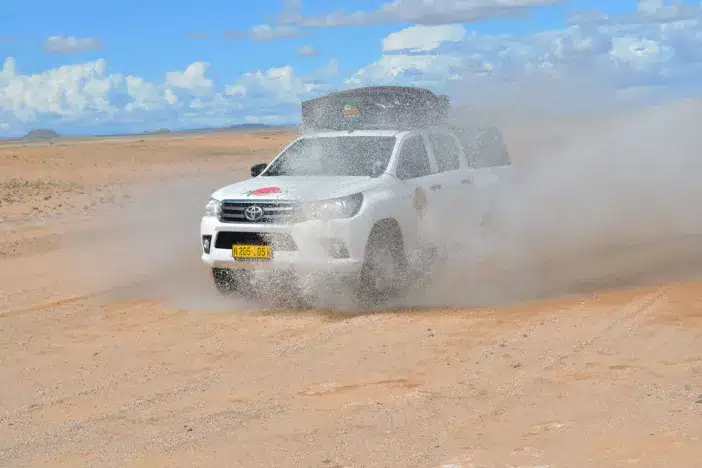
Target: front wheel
{"x":230,"y":281}
{"x":384,"y":267}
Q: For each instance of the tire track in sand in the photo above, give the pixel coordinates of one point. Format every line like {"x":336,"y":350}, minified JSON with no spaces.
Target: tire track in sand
{"x":630,"y":313}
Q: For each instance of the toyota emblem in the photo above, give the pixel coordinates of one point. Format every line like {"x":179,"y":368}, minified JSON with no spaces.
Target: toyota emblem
{"x":253,"y":213}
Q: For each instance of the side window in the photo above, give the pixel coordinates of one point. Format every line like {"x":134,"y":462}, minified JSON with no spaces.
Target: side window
{"x":414,"y":160}
{"x":488,"y":149}
{"x":445,"y":151}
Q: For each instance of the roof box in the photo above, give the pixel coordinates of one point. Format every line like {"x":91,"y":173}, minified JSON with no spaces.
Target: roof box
{"x":376,"y":107}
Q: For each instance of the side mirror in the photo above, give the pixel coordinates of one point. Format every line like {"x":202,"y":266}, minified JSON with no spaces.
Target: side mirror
{"x":256,"y":169}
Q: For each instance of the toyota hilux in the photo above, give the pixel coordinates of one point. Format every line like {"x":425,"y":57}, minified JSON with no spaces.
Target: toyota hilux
{"x":355,"y":195}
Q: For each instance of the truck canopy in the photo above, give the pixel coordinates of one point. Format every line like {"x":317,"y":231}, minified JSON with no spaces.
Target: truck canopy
{"x":375,"y":107}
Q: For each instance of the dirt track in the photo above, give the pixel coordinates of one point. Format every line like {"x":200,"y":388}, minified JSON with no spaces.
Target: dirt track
{"x":105,"y":363}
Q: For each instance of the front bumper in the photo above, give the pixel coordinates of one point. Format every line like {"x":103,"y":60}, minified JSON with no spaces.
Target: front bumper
{"x":311,"y":238}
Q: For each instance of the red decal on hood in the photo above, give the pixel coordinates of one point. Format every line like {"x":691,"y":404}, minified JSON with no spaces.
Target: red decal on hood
{"x":265,"y":191}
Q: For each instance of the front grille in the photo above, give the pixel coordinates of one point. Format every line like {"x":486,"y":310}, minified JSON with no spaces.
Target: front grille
{"x":279,"y":241}
{"x":282,"y":212}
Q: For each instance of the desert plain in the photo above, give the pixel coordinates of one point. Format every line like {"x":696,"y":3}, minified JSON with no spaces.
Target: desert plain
{"x":115,"y":349}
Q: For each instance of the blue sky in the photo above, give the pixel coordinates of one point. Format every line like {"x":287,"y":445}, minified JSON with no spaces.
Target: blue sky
{"x":96,"y":67}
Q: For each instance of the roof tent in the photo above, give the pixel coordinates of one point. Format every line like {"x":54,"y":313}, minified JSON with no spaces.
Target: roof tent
{"x":375,"y":107}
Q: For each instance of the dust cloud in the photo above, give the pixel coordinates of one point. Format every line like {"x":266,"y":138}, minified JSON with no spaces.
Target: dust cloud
{"x":613,"y":204}
{"x":149,"y":249}
{"x":592,"y":203}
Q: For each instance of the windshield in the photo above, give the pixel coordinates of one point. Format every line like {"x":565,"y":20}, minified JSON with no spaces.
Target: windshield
{"x":360,"y":156}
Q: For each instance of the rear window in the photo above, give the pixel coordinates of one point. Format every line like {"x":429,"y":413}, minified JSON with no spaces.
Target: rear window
{"x":445,"y":152}
{"x":484,"y":147}
{"x":351,"y":156}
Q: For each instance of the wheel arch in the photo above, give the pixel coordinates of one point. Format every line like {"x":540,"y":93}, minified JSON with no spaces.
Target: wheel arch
{"x":385,"y":227}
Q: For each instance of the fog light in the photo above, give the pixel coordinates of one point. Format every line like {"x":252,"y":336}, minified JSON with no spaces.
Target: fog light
{"x":337,"y":249}
{"x":206,"y":243}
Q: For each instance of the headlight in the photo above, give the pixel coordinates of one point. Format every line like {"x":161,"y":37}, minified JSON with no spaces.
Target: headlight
{"x":213,"y":208}
{"x":337,"y":208}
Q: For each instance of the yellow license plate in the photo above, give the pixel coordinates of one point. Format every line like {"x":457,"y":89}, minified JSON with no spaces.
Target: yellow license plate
{"x":252,"y":251}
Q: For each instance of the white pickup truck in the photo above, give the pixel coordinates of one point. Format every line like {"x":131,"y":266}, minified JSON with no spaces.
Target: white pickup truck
{"x":357,"y":202}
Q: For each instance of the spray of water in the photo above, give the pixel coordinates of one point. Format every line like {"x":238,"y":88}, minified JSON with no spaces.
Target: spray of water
{"x":604,"y":203}
{"x":612,"y":204}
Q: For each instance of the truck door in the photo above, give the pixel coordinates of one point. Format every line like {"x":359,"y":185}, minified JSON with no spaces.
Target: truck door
{"x":483,"y":155}
{"x":448,"y":208}
{"x":415,"y":171}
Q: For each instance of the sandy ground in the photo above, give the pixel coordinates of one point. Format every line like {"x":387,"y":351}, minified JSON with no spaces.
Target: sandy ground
{"x":112,"y":357}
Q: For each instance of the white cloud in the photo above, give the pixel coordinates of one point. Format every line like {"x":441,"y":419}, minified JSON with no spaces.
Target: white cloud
{"x":290,"y":11}
{"x":235,"y":90}
{"x":65,"y":45}
{"x":428,"y":12}
{"x":639,"y":53}
{"x":419,"y":70}
{"x":423,"y":38}
{"x":192,"y":79}
{"x":328,"y":71}
{"x":144,"y":95}
{"x":68,"y":91}
{"x":307,"y":51}
{"x":286,"y":26}
{"x":279,"y":83}
{"x":170,"y":97}
{"x":267,"y":32}
{"x":650,"y":6}
{"x":149,"y":97}
{"x":83,"y":96}
{"x":643,"y":50}
{"x":9,"y":69}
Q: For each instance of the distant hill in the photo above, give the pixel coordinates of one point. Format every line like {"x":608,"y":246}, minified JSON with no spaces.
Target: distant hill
{"x":41,"y":134}
{"x":159,"y":131}
{"x":243,"y":128}
{"x":248,"y":126}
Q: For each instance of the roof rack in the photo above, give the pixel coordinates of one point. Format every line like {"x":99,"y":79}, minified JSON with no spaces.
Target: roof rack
{"x":375,"y":107}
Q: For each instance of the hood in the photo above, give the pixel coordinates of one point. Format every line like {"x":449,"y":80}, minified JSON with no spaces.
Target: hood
{"x":296,"y":188}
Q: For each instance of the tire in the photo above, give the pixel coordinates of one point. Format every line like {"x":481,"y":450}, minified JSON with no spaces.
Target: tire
{"x":229,"y":282}
{"x":384,"y":267}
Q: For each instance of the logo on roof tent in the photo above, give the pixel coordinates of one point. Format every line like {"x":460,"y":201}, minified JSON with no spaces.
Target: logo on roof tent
{"x":350,"y":110}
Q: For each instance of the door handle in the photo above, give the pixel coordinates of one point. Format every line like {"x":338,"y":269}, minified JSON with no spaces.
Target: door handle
{"x":435,"y":187}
